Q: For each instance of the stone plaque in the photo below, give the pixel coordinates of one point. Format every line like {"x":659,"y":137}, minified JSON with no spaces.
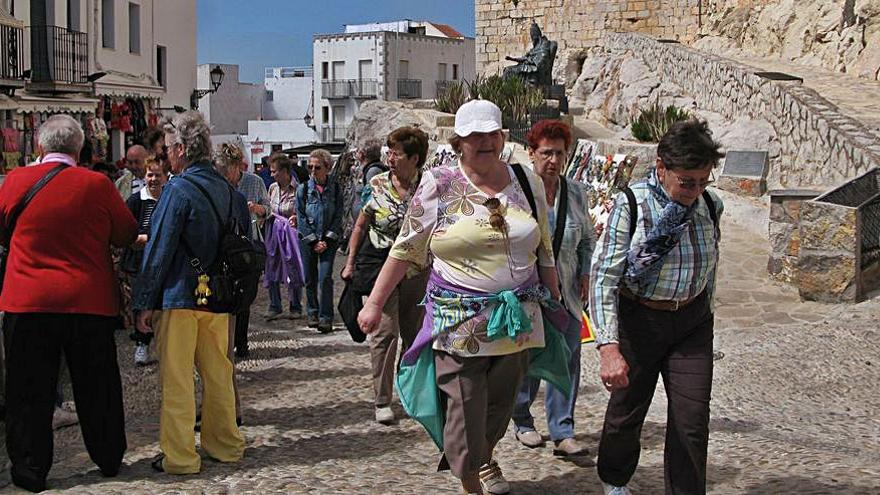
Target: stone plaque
{"x":746,"y":163}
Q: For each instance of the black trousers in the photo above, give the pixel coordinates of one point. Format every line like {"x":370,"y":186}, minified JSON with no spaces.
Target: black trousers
{"x":676,"y":345}
{"x":242,"y":322}
{"x":34,"y":343}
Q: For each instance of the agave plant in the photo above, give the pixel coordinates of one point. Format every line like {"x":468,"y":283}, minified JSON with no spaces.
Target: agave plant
{"x":515,"y":97}
{"x":453,"y":95}
{"x":654,"y":121}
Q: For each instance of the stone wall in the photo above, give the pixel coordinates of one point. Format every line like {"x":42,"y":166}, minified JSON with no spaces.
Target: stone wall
{"x":820,"y":147}
{"x":502,"y":29}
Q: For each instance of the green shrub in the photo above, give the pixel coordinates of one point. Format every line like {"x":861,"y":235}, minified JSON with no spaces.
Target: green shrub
{"x":452,"y":96}
{"x":515,"y":97}
{"x":654,"y":121}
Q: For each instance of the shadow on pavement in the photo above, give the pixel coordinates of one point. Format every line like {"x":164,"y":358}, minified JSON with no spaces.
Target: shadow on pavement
{"x":283,"y":374}
{"x":311,"y":417}
{"x":804,"y":486}
{"x":267,"y":348}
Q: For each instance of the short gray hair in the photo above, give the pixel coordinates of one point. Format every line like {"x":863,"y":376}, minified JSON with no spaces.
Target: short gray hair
{"x":323,"y":155}
{"x":192,"y":131}
{"x":61,"y":134}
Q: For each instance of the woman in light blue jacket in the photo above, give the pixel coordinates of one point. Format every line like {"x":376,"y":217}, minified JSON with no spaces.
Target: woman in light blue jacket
{"x":574,"y":239}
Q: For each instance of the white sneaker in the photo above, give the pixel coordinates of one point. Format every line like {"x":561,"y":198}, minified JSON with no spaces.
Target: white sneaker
{"x":615,"y":490}
{"x":384,"y":415}
{"x":142,"y":355}
{"x":493,"y":480}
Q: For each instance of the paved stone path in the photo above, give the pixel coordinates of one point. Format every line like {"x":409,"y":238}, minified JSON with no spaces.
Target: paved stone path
{"x":856,"y":97}
{"x":794,"y":410}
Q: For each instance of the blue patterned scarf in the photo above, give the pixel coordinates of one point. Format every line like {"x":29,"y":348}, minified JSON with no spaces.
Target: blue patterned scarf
{"x":645,"y":258}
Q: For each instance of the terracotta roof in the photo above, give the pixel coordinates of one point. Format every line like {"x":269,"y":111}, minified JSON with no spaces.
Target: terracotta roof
{"x":448,"y":30}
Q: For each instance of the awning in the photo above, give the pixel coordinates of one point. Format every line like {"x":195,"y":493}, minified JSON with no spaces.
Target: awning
{"x":129,"y":90}
{"x":27,"y":103}
{"x":7,"y":103}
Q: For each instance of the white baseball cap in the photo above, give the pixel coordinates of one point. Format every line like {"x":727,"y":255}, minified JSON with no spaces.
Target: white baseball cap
{"x":477,"y":116}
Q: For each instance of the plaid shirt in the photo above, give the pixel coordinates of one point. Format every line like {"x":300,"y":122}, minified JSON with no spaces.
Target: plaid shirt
{"x":687,"y":270}
{"x":252,"y":187}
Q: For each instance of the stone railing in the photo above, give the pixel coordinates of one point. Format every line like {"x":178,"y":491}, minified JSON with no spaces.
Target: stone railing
{"x":820,"y":146}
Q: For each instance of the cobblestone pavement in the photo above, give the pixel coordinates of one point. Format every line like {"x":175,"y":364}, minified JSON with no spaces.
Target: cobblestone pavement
{"x":794,"y":410}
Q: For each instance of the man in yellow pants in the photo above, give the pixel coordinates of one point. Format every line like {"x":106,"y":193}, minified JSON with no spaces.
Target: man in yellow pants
{"x":184,"y":228}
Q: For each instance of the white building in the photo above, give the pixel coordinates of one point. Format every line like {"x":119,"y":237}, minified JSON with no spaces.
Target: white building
{"x":233,"y":105}
{"x":287,"y":113}
{"x":389,"y":61}
{"x":131,"y":44}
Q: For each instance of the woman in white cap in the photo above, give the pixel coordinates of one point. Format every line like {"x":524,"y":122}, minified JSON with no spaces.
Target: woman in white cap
{"x":484,"y":223}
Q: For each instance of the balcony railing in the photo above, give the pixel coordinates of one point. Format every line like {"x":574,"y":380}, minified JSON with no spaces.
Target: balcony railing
{"x":443,"y":84}
{"x":409,"y":88}
{"x":11,"y":52}
{"x":58,"y":55}
{"x":344,"y":88}
{"x":333,"y":133}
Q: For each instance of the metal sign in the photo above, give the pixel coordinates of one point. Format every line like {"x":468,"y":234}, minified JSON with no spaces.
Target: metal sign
{"x":746,"y":163}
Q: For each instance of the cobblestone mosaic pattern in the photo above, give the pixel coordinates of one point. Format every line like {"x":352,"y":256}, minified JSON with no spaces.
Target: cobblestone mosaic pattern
{"x":794,"y":410}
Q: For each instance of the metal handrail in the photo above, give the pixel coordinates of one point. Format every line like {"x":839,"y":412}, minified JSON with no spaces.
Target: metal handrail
{"x":409,"y":88}
{"x":58,"y":55}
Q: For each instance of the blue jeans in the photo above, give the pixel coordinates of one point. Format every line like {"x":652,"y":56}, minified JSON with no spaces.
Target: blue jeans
{"x":560,"y":411}
{"x":275,"y":298}
{"x":319,"y":273}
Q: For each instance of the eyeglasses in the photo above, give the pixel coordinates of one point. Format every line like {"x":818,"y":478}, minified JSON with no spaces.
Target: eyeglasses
{"x":395,"y":154}
{"x":691,"y":184}
{"x":315,"y":167}
{"x":496,"y":218}
{"x":549,"y":153}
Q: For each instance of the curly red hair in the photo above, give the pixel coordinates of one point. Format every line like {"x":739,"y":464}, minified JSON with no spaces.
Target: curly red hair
{"x":548,"y":129}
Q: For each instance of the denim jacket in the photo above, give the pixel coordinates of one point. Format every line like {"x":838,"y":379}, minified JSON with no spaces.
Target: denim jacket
{"x":319,"y":216}
{"x":166,"y":279}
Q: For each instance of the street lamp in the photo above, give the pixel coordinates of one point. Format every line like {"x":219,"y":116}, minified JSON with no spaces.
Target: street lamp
{"x":216,"y":80}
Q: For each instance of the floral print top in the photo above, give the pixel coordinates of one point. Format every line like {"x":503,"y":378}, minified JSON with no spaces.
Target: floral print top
{"x":448,"y":223}
{"x":386,"y":209}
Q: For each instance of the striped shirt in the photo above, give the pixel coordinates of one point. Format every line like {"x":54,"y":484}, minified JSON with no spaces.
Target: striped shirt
{"x":149,"y":204}
{"x":688,"y":269}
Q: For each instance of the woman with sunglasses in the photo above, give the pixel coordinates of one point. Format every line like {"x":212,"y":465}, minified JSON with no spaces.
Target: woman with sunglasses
{"x":319,"y":221}
{"x":386,"y":200}
{"x":492,"y":264}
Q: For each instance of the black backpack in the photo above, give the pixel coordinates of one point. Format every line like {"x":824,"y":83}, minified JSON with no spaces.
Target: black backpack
{"x":381,"y":166}
{"x":234,"y":276}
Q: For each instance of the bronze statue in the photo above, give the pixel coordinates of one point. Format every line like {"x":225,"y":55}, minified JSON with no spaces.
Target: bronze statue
{"x":536,"y":66}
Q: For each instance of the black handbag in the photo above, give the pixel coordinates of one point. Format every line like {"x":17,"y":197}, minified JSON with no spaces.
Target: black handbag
{"x":349,"y":306}
{"x":16,"y":212}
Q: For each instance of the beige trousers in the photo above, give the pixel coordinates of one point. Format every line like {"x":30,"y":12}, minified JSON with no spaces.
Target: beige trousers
{"x":401,"y":319}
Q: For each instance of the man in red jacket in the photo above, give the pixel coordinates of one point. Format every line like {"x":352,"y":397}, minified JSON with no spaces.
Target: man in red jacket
{"x":60,"y":295}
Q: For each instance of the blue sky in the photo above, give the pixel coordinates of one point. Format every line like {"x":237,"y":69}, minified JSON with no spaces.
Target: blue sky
{"x":266,"y":33}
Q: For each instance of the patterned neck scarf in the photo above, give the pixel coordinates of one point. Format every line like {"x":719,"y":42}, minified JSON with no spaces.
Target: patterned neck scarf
{"x":645,"y":258}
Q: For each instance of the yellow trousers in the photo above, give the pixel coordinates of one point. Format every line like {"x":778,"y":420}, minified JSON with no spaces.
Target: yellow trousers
{"x":188,"y":338}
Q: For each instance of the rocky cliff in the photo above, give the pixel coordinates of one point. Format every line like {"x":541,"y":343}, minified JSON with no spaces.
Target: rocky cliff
{"x":841,"y":35}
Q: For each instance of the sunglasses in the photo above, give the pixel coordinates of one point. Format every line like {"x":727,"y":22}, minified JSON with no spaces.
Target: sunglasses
{"x":496,"y":218}
{"x":691,"y":184}
{"x":315,"y":167}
